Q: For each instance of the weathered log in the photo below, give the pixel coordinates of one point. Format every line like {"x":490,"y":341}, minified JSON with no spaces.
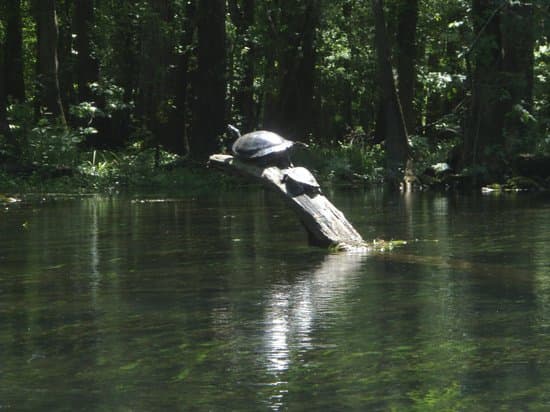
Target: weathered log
{"x":326,"y":225}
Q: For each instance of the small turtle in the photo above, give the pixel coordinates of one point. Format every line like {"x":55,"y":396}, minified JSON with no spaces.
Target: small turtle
{"x":263,"y":147}
{"x":300,"y":180}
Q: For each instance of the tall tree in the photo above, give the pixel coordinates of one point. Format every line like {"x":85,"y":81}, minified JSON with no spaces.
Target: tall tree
{"x":397,"y":147}
{"x":243,"y":15}
{"x":48,"y":80}
{"x":117,"y":52}
{"x":296,"y":98}
{"x":67,"y":60}
{"x":176,"y":138}
{"x":210,"y":80}
{"x":154,"y":63}
{"x":291,"y":111}
{"x":406,"y":58}
{"x":518,"y":47}
{"x":486,"y":112}
{"x":14,"y":77}
{"x":10,"y":148}
{"x":502,"y":83}
{"x":87,"y":64}
{"x":123,"y":43}
{"x":4,"y":126}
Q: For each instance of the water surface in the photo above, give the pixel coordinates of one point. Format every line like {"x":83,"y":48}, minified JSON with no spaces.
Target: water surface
{"x":215,"y":302}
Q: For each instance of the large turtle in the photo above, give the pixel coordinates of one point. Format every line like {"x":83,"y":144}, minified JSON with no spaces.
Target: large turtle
{"x":300,"y":180}
{"x":263,"y":147}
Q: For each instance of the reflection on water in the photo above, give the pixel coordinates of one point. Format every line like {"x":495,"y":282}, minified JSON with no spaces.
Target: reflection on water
{"x":291,"y":309}
{"x":216,"y":302}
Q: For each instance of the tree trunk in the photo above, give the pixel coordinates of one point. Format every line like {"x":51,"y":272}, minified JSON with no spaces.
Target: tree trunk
{"x":518,"y":46}
{"x":177,"y":136}
{"x":210,"y":80}
{"x":483,"y":142}
{"x":292,"y":112}
{"x":48,"y":80}
{"x":297,"y":89}
{"x":14,"y":78}
{"x":124,"y":43}
{"x":397,"y":147}
{"x":243,"y":17}
{"x":67,"y":60}
{"x":406,"y":59}
{"x":154,"y":64}
{"x":87,"y":65}
{"x":4,"y":126}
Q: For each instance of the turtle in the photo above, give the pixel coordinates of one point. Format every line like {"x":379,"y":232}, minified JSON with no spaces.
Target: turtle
{"x":263,"y":147}
{"x":300,"y":180}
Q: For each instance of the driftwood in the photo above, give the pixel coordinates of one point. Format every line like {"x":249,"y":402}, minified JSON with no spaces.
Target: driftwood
{"x":326,"y":225}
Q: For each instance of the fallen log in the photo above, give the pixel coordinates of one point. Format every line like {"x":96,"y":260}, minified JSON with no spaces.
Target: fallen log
{"x":325,"y":224}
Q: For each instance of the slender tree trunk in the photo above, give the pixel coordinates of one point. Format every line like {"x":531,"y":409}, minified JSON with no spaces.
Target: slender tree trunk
{"x":154,"y":64}
{"x":4,"y":126}
{"x":177,"y":136}
{"x":483,"y":142}
{"x":124,"y":42}
{"x":348,"y":89}
{"x":87,"y":65}
{"x":14,"y":78}
{"x":65,"y":54}
{"x":271,"y":76}
{"x":48,"y":80}
{"x":292,"y":111}
{"x":434,"y":101}
{"x":243,"y":18}
{"x":406,"y":59}
{"x":397,"y":147}
{"x":210,"y":85}
{"x":296,"y":103}
{"x":518,"y":45}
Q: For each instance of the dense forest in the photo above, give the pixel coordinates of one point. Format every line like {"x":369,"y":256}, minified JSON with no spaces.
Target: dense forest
{"x":406,"y":82}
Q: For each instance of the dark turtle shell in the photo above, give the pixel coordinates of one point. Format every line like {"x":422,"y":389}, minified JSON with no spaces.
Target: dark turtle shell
{"x":302,"y":176}
{"x":259,"y":144}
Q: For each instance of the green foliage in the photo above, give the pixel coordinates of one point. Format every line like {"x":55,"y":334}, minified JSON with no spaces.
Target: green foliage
{"x":144,"y":49}
{"x":426,"y":153}
{"x":51,"y":144}
{"x":541,"y":102}
{"x":350,"y":161}
{"x":346,"y":70}
{"x":112,"y":172}
{"x":42,"y":142}
{"x":518,"y":183}
{"x":29,"y":48}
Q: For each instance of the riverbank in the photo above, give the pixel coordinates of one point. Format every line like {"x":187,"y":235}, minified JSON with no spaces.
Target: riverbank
{"x":156,"y":170}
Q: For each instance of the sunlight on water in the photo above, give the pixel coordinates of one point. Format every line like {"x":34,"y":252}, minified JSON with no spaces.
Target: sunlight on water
{"x":293,"y":309}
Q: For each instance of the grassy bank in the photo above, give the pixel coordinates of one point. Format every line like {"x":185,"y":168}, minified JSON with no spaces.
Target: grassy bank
{"x":138,"y":169}
{"x":112,"y":172}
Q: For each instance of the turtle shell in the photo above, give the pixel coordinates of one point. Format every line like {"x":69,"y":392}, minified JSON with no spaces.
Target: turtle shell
{"x":302,"y":176}
{"x":259,"y":144}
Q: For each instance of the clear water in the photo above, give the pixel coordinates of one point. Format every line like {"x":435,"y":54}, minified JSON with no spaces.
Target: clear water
{"x":216,"y":302}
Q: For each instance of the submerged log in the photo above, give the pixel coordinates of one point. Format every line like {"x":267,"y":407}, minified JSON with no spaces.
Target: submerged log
{"x":326,"y":225}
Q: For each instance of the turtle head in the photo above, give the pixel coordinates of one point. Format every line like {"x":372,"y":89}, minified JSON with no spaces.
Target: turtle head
{"x":234,"y":131}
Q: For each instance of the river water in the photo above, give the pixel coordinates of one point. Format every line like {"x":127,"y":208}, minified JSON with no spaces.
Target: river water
{"x":216,"y":302}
